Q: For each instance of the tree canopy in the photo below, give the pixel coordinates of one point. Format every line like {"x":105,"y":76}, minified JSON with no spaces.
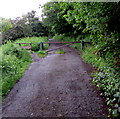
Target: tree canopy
{"x":99,"y":21}
{"x":25,"y":26}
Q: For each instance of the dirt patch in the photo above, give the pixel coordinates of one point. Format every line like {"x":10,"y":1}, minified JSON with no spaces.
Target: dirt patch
{"x":56,"y":86}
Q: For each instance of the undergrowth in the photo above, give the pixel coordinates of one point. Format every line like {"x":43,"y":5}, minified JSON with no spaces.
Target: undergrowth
{"x":107,"y":79}
{"x":16,"y":60}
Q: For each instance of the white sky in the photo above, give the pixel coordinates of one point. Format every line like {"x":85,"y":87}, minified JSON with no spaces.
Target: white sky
{"x":16,"y":8}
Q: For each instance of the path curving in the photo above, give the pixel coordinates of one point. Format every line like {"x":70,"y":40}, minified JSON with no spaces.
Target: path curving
{"x":56,"y":86}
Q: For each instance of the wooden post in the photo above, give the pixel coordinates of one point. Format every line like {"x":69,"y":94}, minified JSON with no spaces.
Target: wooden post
{"x":41,"y":46}
{"x":82,"y":45}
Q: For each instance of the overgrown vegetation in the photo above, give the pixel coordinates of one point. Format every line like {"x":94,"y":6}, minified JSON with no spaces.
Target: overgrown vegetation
{"x":16,"y":60}
{"x":98,"y":22}
{"x":107,"y":79}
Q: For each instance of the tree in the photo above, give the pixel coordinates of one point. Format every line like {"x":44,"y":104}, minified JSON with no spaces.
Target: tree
{"x":5,"y":25}
{"x":26,"y":26}
{"x":53,"y":18}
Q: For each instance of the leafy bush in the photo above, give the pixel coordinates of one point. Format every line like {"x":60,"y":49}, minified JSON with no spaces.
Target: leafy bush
{"x":35,"y":46}
{"x":12,"y":70}
{"x":107,"y":79}
{"x":16,"y":60}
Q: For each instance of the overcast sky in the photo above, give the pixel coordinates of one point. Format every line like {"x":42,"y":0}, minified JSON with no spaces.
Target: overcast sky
{"x":16,"y":8}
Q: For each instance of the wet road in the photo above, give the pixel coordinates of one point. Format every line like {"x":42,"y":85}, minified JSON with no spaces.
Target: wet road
{"x":56,"y":86}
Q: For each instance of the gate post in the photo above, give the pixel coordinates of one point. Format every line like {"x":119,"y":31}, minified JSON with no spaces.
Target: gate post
{"x":41,"y":46}
{"x":82,"y":45}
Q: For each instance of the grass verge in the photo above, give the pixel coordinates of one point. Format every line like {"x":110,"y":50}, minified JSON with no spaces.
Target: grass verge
{"x":16,"y":60}
{"x":107,"y":79}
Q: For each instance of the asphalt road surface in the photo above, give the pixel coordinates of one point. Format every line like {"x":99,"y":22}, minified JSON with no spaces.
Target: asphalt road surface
{"x":56,"y":86}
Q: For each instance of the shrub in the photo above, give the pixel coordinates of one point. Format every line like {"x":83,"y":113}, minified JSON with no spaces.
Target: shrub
{"x":35,"y":46}
{"x":107,"y":79}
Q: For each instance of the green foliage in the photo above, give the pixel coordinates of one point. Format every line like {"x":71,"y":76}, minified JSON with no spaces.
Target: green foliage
{"x":53,"y":18}
{"x":31,"y":40}
{"x":98,"y":22}
{"x":35,"y":47}
{"x":14,"y":62}
{"x":61,"y":51}
{"x":35,"y":42}
{"x":42,"y":54}
{"x":87,"y":20}
{"x":5,"y":25}
{"x":107,"y":79}
{"x":27,"y":26}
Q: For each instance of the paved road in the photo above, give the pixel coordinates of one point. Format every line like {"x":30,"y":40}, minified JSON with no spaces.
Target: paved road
{"x":56,"y":86}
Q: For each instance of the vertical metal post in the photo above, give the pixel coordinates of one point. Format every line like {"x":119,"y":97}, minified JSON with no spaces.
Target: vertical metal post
{"x":82,"y":45}
{"x":41,"y":46}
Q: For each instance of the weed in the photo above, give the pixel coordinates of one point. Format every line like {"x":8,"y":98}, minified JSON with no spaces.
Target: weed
{"x":60,"y":51}
{"x":42,"y":54}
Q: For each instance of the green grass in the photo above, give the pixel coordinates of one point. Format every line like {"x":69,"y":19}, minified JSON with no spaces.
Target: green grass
{"x":60,"y":51}
{"x":31,"y":40}
{"x":16,"y":60}
{"x":42,"y":54}
{"x":35,"y":42}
